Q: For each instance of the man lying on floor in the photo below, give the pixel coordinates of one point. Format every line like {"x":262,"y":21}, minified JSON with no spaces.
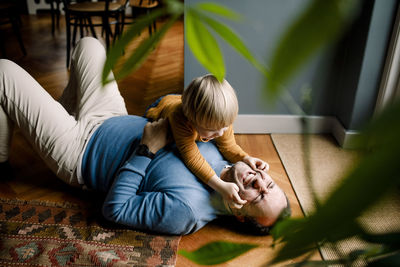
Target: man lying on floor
{"x":88,"y":139}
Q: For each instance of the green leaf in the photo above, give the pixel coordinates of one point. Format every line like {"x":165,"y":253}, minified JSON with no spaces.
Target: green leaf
{"x":204,"y":46}
{"x":377,"y":134}
{"x":287,"y":226}
{"x":144,"y":49}
{"x":218,"y":10}
{"x":321,"y":23}
{"x":235,"y":41}
{"x":117,"y":50}
{"x":389,"y":261}
{"x":175,"y":7}
{"x":216,"y":252}
{"x":389,"y":239}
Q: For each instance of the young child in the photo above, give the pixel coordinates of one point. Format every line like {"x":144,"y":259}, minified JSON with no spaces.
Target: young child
{"x":205,"y":111}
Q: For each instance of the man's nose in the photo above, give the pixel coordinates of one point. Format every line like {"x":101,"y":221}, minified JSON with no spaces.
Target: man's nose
{"x":260,"y":185}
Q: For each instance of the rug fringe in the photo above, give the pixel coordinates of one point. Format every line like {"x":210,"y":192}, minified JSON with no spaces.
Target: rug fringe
{"x":16,"y":201}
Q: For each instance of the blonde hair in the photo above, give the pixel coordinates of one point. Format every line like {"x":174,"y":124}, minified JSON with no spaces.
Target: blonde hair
{"x":208,"y":103}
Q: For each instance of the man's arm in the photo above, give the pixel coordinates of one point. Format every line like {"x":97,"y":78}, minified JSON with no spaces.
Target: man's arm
{"x":154,"y":211}
{"x":155,"y":135}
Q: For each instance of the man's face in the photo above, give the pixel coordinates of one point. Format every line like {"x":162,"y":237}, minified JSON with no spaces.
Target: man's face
{"x":265,"y":200}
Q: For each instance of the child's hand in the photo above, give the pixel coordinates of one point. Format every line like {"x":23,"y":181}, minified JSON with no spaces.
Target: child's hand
{"x":230,"y":192}
{"x":256,"y":163}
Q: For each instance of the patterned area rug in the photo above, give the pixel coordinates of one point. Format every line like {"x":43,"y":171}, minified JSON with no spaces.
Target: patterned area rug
{"x":36,"y":233}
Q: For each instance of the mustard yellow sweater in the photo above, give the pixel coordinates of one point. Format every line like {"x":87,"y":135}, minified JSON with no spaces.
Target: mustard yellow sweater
{"x":185,"y":137}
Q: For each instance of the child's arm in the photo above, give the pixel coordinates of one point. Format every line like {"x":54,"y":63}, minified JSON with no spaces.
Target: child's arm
{"x":233,"y":152}
{"x":229,"y":191}
{"x":199,"y":166}
{"x":228,"y":147}
{"x":193,"y":159}
{"x":185,"y":139}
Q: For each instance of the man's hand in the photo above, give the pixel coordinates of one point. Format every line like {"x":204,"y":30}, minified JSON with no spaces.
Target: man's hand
{"x":155,"y":135}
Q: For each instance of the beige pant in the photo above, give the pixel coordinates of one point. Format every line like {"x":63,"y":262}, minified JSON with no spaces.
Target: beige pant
{"x":58,"y":131}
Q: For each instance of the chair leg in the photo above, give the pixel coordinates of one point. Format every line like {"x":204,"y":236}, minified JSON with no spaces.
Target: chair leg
{"x":2,"y":47}
{"x":81,"y":23}
{"x":151,"y":24}
{"x":154,"y":25}
{"x":92,"y":27}
{"x":116,"y":32}
{"x":68,"y":28}
{"x":52,"y":11}
{"x":122,"y":22}
{"x":14,"y":22}
{"x":76,"y":24}
{"x":58,"y":14}
{"x":118,"y":25}
{"x":107,"y":30}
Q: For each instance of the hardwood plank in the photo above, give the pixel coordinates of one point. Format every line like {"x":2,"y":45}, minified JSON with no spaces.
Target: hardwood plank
{"x":261,"y":146}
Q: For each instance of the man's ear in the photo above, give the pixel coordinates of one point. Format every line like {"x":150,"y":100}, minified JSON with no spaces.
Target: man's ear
{"x":265,"y":221}
{"x":240,"y":218}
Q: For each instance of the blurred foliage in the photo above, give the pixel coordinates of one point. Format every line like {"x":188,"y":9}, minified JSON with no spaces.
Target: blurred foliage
{"x":319,"y":25}
{"x":337,"y":218}
{"x":216,"y":252}
{"x":173,"y":10}
{"x":377,"y":173}
{"x":201,"y":24}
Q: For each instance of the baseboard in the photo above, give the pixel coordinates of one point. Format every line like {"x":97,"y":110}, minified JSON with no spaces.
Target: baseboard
{"x":292,"y":124}
{"x":346,"y":138}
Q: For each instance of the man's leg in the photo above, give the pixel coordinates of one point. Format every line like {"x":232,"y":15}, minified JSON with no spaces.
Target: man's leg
{"x":85,"y":97}
{"x":92,"y":99}
{"x":6,"y":130}
{"x":58,"y":137}
{"x":42,"y":120}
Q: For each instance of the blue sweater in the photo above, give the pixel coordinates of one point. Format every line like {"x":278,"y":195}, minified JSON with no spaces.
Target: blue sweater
{"x":159,"y":195}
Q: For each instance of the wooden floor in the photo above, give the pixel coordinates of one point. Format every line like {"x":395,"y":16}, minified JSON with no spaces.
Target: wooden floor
{"x":162,"y":73}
